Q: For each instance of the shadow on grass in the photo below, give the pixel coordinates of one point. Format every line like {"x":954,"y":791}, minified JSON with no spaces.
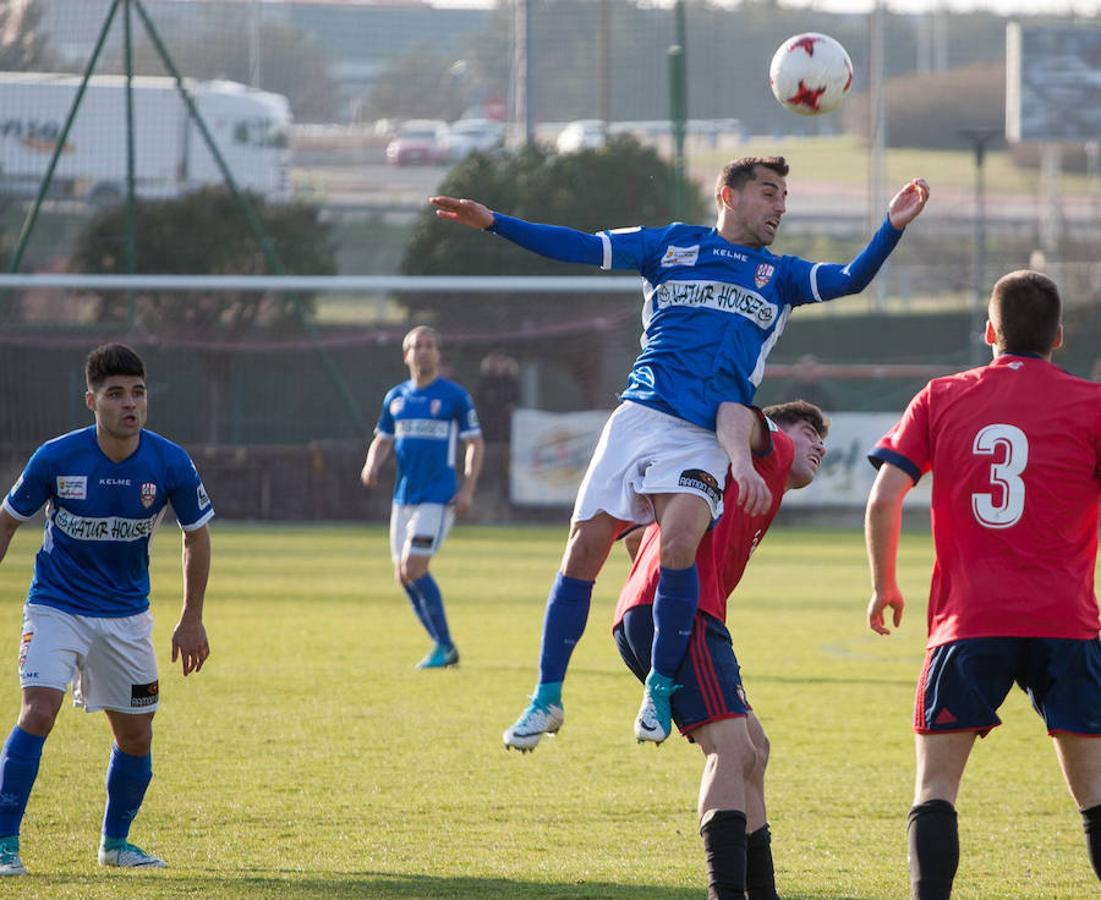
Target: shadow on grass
{"x":359,"y":884}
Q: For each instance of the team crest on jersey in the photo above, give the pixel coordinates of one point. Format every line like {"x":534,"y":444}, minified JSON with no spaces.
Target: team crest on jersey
{"x":396,"y":406}
{"x":680,"y":256}
{"x":72,"y":487}
{"x":148,"y":494}
{"x":763,"y":275}
{"x":435,"y":406}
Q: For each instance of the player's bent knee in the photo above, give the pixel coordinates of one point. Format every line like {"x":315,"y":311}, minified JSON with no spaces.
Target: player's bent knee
{"x":38,"y":718}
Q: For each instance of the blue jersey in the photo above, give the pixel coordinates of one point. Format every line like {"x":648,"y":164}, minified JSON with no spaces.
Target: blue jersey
{"x":100,"y":518}
{"x":712,"y":310}
{"x":425,"y":425}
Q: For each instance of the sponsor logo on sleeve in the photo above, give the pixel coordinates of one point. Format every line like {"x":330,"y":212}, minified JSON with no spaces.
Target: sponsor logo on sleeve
{"x":473,"y":419}
{"x":72,"y":487}
{"x":702,"y":482}
{"x":204,"y":500}
{"x":148,"y":494}
{"x":18,"y":484}
{"x":764,"y":274}
{"x":144,"y":694}
{"x":680,"y":256}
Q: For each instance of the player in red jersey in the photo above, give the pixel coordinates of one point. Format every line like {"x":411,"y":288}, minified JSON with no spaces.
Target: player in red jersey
{"x":1016,"y":448}
{"x":709,"y":705}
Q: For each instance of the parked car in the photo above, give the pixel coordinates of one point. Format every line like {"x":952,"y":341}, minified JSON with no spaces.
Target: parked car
{"x":416,"y":141}
{"x":584,"y":134}
{"x":467,"y":135}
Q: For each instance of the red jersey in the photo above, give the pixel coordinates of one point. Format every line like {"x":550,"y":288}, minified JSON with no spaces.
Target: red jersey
{"x":1015,"y":449}
{"x":724,"y":550}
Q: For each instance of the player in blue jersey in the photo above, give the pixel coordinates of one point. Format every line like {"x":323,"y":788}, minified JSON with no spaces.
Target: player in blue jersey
{"x":422,"y":421}
{"x":87,"y":620}
{"x":715,"y":302}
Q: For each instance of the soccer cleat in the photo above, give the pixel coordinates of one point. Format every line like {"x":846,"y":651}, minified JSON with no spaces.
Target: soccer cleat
{"x":534,"y":722}
{"x":655,"y":716}
{"x":440,"y":657}
{"x":10,"y":863}
{"x":121,"y":853}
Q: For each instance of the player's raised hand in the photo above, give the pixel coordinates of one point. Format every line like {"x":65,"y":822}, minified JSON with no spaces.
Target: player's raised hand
{"x":877,"y":606}
{"x":465,"y":212}
{"x":908,"y":203}
{"x":189,"y":643}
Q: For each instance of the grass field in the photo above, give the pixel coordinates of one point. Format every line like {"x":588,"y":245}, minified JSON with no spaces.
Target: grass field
{"x":309,"y":759}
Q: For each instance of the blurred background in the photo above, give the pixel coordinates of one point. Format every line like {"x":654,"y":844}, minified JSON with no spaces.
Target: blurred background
{"x":308,"y":135}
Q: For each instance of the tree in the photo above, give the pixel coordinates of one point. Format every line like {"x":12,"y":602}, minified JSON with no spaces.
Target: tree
{"x":24,"y":46}
{"x":203,"y":233}
{"x":420,"y":84}
{"x":622,"y":184}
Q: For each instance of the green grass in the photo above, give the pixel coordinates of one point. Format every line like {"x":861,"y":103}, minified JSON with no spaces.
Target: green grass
{"x":308,"y":758}
{"x":843,"y":160}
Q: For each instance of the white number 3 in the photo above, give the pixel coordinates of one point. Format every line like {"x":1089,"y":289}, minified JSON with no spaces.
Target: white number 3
{"x":1004,"y":508}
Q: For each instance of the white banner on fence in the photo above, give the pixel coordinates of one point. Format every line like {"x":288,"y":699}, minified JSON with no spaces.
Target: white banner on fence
{"x":550,"y":452}
{"x":846,"y":475}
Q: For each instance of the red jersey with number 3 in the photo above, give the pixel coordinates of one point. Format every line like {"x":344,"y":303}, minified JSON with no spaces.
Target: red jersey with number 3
{"x":1015,"y":451}
{"x":724,"y":550}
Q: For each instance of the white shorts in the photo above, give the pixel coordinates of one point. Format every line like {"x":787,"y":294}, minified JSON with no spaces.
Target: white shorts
{"x":110,"y":663}
{"x":641,"y":452}
{"x":418,"y":529}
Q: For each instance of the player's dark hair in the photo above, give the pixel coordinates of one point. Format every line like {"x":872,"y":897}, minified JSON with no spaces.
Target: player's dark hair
{"x":111,"y":359}
{"x":799,"y":411}
{"x":738,"y":172}
{"x":407,"y":341}
{"x":1025,"y":310}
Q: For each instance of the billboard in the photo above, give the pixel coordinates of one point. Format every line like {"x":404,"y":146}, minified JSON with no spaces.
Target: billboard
{"x":1053,"y":83}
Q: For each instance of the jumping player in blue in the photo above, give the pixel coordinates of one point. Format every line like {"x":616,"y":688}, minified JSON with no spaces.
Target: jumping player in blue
{"x":87,"y":620}
{"x":715,"y":302}
{"x":422,"y":421}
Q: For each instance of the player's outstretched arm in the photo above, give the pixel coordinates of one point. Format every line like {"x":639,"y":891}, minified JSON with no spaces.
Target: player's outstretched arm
{"x":741,"y":432}
{"x":466,"y":212}
{"x":908,"y":203}
{"x":882,"y":525}
{"x":189,"y":641}
{"x":552,"y":241}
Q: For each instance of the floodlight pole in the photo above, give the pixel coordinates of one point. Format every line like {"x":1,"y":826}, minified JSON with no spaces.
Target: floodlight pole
{"x":979,"y":138}
{"x":131,"y":200}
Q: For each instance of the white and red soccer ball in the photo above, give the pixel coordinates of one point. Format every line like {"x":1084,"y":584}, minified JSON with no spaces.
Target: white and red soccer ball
{"x":810,"y":74}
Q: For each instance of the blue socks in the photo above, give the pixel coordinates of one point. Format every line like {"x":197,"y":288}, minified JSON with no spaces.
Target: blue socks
{"x":431,"y":603}
{"x":675,"y":605}
{"x":567,"y":613}
{"x":418,"y":609}
{"x":127,"y":778}
{"x":18,"y":770}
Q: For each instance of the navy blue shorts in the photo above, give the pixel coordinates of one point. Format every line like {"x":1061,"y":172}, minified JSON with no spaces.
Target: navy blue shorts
{"x":710,"y":677}
{"x":964,"y":682}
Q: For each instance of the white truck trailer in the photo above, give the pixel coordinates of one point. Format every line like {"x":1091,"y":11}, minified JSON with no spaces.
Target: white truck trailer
{"x":249,"y":127}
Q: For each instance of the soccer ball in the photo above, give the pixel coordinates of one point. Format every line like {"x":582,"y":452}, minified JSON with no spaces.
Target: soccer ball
{"x":810,"y":74}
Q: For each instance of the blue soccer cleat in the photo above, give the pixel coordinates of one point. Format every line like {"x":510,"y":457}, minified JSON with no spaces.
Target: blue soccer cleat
{"x":10,"y":863}
{"x":655,"y":716}
{"x":440,"y":657}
